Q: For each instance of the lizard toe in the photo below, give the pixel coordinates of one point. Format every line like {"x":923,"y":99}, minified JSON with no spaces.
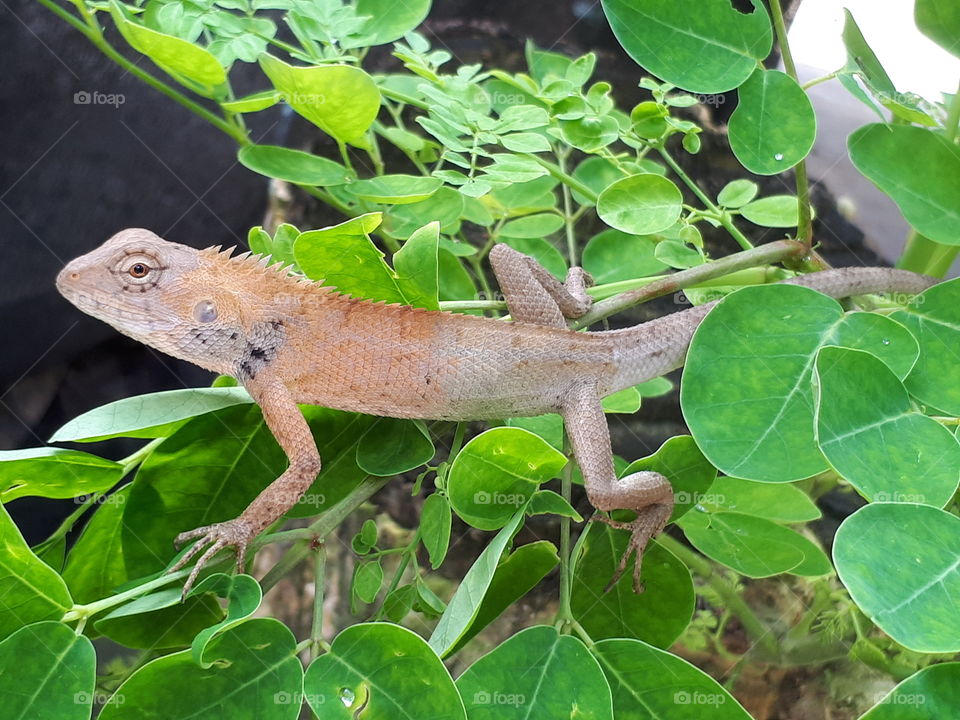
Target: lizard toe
{"x":213,"y":539}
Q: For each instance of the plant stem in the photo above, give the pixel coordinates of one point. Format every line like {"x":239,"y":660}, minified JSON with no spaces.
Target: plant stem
{"x":568,"y":220}
{"x":723,"y":217}
{"x":85,"y":611}
{"x":319,"y":575}
{"x":563,"y":177}
{"x":804,"y":219}
{"x":823,"y":78}
{"x":765,"y":254}
{"x":925,"y":256}
{"x":565,"y":613}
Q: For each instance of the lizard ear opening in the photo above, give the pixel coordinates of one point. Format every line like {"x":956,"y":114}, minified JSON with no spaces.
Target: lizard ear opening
{"x":205,"y":311}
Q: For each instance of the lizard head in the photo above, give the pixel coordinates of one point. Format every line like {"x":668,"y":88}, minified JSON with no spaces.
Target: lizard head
{"x":158,"y":292}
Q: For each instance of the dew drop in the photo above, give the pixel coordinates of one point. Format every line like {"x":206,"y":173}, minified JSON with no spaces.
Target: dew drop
{"x":885,"y":341}
{"x":778,"y":157}
{"x":347,"y":697}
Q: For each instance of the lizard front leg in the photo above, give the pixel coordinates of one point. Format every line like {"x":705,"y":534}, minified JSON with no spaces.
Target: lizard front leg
{"x":647,"y":493}
{"x":289,"y":427}
{"x":534,"y":295}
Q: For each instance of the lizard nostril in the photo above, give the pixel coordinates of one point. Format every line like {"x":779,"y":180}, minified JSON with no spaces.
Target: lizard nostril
{"x":74,"y":276}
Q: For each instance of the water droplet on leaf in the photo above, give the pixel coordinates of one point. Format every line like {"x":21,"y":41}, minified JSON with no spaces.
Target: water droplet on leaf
{"x":347,"y":697}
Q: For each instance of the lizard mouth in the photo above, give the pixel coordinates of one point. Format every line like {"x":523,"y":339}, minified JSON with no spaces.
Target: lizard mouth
{"x":100,"y":304}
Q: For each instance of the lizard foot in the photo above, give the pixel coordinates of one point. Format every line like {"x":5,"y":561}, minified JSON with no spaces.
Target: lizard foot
{"x":650,"y":521}
{"x":236,"y":532}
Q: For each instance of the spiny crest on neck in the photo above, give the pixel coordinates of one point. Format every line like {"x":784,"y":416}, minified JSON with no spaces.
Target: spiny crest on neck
{"x":262,"y":269}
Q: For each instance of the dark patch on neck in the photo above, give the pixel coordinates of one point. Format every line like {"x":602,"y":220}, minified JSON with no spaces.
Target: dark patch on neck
{"x":262,"y":346}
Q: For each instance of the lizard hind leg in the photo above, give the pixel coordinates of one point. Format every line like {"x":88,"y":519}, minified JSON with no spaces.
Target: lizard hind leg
{"x":533,"y":295}
{"x":649,"y":494}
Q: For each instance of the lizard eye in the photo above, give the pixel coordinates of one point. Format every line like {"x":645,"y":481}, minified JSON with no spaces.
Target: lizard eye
{"x":205,"y":311}
{"x":139,"y":269}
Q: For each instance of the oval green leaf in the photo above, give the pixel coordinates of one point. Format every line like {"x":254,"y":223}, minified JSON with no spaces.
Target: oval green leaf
{"x":913,"y":601}
{"x":613,"y":255}
{"x":54,"y":473}
{"x":776,"y":211}
{"x":293,"y":166}
{"x":640,"y":204}
{"x":395,"y":189}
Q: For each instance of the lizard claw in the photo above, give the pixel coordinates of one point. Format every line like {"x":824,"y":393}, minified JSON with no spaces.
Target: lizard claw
{"x":214,"y":538}
{"x":650,"y":521}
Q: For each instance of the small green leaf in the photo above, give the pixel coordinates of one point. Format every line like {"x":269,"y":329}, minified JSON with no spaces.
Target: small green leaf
{"x":636,"y":672}
{"x":465,"y":604}
{"x":54,"y":473}
{"x":590,"y":133}
{"x":704,"y":46}
{"x":47,"y":671}
{"x":392,"y":446}
{"x":532,"y":226}
{"x":541,"y":250}
{"x":444,"y":206}
{"x":919,"y":169}
{"x":147,"y":416}
{"x":561,"y":679}
{"x":30,"y":591}
{"x":173,"y":55}
{"x":252,"y":103}
{"x":417,"y":267}
{"x":613,"y":255}
{"x":381,"y":670}
{"x":775,"y":211}
{"x":525,"y":142}
{"x":914,"y":601}
{"x":342,"y":100}
{"x":548,"y":502}
{"x":243,"y":594}
{"x":497,"y":472}
{"x":871,"y":434}
{"x":367,"y":579}
{"x":390,"y":20}
{"x":781,"y":503}
{"x":773,"y":127}
{"x":435,"y":522}
{"x":293,"y":166}
{"x":737,"y":193}
{"x":640,"y":204}
{"x":395,"y":189}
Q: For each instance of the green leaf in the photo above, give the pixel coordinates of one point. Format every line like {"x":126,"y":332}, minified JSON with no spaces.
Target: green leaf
{"x":54,"y":473}
{"x":887,"y":339}
{"x":913,"y":601}
{"x":47,"y":671}
{"x":465,"y":604}
{"x":871,"y":434}
{"x":596,"y":173}
{"x":173,"y":55}
{"x":444,"y":207}
{"x":95,"y":565}
{"x":704,"y":46}
{"x":525,"y":142}
{"x":435,"y":522}
{"x":294,"y":166}
{"x":613,"y":255}
{"x":773,"y":127}
{"x":658,"y":616}
{"x":30,"y":591}
{"x":626,"y":401}
{"x":778,"y":502}
{"x":860,"y":57}
{"x":737,"y":193}
{"x":252,"y":103}
{"x":497,"y":472}
{"x":541,"y":250}
{"x":638,"y":674}
{"x":159,"y":620}
{"x":341,"y":100}
{"x":417,"y":269}
{"x":392,"y":446}
{"x":560,"y":679}
{"x":532,"y":226}
{"x":681,"y":462}
{"x":395,"y":189}
{"x":678,"y":253}
{"x":243,"y":594}
{"x":934,"y":319}
{"x":546,"y":502}
{"x":747,"y":395}
{"x":390,"y":20}
{"x":775,"y":211}
{"x":590,"y":133}
{"x":147,"y":416}
{"x":755,"y":547}
{"x":514,"y":577}
{"x":939,"y":20}
{"x":367,"y":579}
{"x":253,"y":672}
{"x":640,"y":204}
{"x":382,"y":671}
{"x":919,"y":170}
{"x":928,"y":694}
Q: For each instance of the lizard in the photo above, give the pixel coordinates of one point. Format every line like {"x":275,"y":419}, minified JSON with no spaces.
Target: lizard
{"x":290,"y":340}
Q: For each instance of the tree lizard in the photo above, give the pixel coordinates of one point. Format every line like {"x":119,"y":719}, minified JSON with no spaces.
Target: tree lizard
{"x":289,"y":340}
